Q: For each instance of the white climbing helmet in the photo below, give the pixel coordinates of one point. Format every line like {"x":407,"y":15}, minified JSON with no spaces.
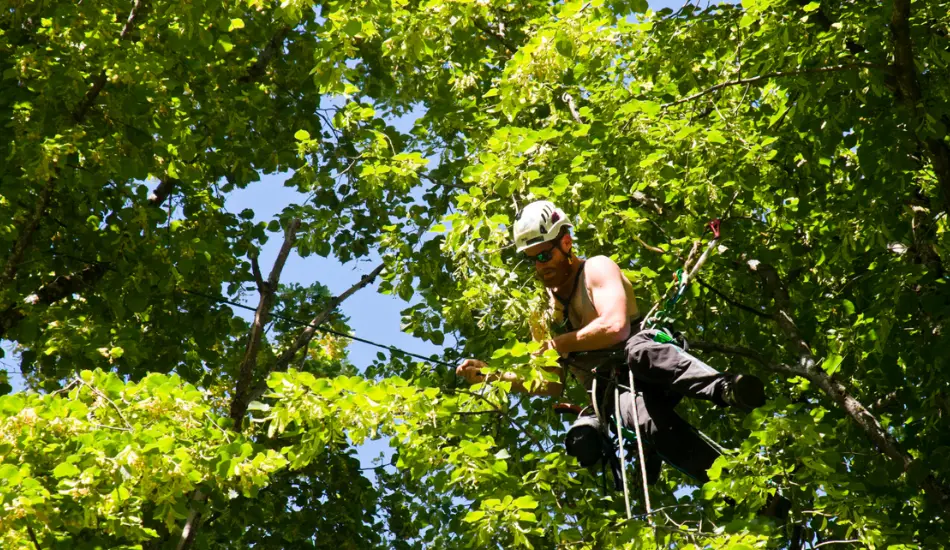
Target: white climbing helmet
{"x":538,"y":222}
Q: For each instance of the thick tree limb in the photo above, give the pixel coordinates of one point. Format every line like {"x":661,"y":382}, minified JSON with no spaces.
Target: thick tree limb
{"x":809,"y":369}
{"x":90,"y":98}
{"x":161,"y":192}
{"x":306,"y":335}
{"x":906,"y":73}
{"x":256,"y":270}
{"x":191,"y":524}
{"x":261,"y":316}
{"x":767,"y":76}
{"x":834,"y":389}
{"x":26,"y":235}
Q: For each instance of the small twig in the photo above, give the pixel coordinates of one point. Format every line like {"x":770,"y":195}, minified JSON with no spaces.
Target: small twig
{"x":111,"y":427}
{"x":731,"y":301}
{"x":216,"y":425}
{"x":649,"y":247}
{"x":837,"y":542}
{"x":474,"y":413}
{"x":104,"y":396}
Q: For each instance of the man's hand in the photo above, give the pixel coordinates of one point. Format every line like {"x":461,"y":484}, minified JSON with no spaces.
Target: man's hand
{"x":545,"y":346}
{"x":471,"y":370}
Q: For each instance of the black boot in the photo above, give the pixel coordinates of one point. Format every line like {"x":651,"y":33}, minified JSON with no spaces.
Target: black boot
{"x":743,"y":391}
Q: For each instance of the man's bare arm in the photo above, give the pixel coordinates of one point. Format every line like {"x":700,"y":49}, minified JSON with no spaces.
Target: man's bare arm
{"x":610,"y":300}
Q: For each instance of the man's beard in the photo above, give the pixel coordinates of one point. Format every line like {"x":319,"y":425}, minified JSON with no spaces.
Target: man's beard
{"x":555,"y":276}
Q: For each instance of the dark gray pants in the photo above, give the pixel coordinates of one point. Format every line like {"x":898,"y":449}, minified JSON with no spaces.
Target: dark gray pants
{"x":663,"y":374}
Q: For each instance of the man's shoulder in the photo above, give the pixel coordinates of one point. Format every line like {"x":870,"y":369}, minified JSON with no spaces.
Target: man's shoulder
{"x":601,"y":264}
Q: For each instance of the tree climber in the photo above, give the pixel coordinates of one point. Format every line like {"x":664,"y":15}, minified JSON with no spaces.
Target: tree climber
{"x":594,"y":309}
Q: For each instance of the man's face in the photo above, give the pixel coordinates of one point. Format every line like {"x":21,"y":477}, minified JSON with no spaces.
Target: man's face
{"x":557,"y":269}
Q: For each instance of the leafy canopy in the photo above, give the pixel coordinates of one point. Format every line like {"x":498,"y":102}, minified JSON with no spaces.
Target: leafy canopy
{"x":817,"y":133}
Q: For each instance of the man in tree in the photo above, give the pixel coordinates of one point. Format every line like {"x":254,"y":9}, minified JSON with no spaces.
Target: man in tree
{"x":596,"y":317}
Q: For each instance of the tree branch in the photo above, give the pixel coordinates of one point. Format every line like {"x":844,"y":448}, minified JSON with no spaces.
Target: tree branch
{"x":777,"y":74}
{"x":834,"y":389}
{"x":100,"y":81}
{"x":306,"y":335}
{"x":569,"y":99}
{"x":191,"y":524}
{"x":258,"y":278}
{"x":54,"y":291}
{"x":257,"y":70}
{"x":731,"y":301}
{"x":267,"y":292}
{"x":26,"y":234}
{"x":748,"y":354}
{"x":65,"y":285}
{"x":906,"y":72}
{"x":36,"y":543}
{"x":480,"y":25}
{"x":161,"y":192}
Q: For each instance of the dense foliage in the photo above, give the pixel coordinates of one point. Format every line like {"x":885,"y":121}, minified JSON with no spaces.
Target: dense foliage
{"x":158,"y":418}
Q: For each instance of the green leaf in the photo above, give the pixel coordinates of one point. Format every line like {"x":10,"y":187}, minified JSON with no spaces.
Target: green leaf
{"x":8,"y":471}
{"x":525,"y":502}
{"x":832,"y":363}
{"x":65,"y":469}
{"x":236,"y":23}
{"x":473,"y":516}
{"x":353,"y":27}
{"x":715,"y":136}
{"x":302,"y":135}
{"x":811,"y":6}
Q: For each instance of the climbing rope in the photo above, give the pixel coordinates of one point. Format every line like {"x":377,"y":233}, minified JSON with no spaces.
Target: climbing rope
{"x":683,"y":279}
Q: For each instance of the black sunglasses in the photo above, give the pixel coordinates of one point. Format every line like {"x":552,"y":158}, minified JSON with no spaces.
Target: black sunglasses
{"x":544,"y":256}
